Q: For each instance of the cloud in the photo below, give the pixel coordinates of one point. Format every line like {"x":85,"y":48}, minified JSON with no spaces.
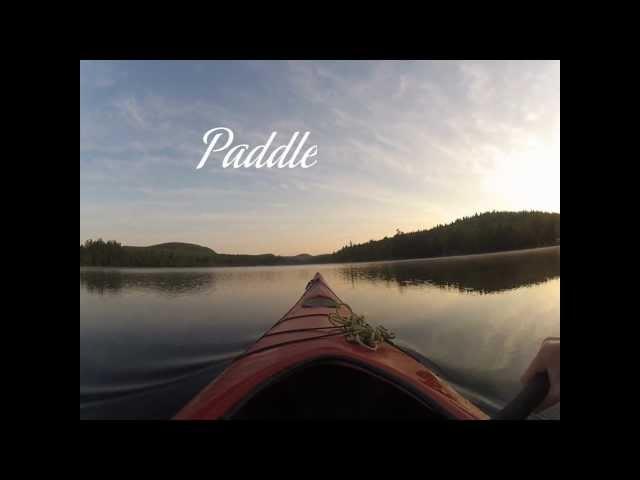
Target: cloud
{"x":480,"y":87}
{"x":98,"y":75}
{"x":423,"y":141}
{"x":131,"y":110}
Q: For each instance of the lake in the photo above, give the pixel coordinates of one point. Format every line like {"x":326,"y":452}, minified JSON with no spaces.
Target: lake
{"x":150,"y":339}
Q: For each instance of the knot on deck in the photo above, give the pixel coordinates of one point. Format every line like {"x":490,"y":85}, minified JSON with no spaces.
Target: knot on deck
{"x":356,"y":330}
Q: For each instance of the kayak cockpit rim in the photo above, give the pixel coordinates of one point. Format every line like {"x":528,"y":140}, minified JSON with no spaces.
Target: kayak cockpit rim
{"x":373,"y":372}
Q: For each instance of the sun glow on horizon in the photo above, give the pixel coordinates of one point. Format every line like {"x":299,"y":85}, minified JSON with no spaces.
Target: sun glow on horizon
{"x":528,"y":179}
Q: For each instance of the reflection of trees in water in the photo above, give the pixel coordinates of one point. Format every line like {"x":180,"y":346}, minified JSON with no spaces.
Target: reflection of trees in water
{"x":113,"y":281}
{"x":175,"y":282}
{"x":480,"y":274}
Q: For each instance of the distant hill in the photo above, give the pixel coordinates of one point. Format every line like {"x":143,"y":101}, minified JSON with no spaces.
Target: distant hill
{"x":165,"y":255}
{"x":173,"y":253}
{"x":481,"y":233}
{"x":186,"y":248}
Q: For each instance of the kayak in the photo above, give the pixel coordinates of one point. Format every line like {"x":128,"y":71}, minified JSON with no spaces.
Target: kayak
{"x":305,"y":367}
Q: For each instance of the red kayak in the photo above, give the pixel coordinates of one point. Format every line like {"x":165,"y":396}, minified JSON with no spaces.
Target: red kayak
{"x":304,"y":367}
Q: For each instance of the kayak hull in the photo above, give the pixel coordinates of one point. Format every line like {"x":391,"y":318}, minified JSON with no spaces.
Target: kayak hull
{"x":305,"y":337}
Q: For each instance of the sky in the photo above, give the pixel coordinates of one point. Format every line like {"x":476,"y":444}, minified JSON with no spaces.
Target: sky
{"x":400,"y":145}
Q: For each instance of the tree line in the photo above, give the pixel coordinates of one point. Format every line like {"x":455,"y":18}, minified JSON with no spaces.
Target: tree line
{"x":112,"y":253}
{"x":480,"y":233}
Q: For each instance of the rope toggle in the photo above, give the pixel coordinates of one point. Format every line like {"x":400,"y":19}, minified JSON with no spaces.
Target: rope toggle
{"x":356,"y":330}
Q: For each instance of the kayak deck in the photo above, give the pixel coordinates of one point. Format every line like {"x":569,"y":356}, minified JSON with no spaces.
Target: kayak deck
{"x":304,"y":368}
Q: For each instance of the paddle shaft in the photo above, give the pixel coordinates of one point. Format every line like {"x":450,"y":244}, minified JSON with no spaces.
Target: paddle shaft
{"x":527,"y":400}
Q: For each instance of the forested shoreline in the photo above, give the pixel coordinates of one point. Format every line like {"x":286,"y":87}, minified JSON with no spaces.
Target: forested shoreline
{"x":480,"y":233}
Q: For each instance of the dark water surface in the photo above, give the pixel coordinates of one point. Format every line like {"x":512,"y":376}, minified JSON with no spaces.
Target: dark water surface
{"x":150,"y":339}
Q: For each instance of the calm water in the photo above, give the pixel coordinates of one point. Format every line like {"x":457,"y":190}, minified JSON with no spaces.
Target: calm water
{"x":150,"y":339}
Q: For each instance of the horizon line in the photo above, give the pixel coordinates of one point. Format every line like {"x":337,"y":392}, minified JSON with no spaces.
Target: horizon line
{"x":328,"y":253}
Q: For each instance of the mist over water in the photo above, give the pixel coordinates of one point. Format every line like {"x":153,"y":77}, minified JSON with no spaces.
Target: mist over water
{"x":150,"y":339}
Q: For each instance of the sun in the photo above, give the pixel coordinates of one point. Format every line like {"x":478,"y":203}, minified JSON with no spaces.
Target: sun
{"x":528,"y":179}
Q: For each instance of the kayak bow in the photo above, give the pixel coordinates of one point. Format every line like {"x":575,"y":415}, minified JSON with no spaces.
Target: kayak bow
{"x":304,"y":367}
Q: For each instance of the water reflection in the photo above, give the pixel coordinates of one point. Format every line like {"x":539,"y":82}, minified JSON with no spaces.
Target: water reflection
{"x":103,"y":281}
{"x":481,"y":274}
{"x":477,"y":273}
{"x":150,"y":339}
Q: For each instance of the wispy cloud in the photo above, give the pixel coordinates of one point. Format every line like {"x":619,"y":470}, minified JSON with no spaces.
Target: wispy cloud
{"x":131,"y":112}
{"x":422,"y":142}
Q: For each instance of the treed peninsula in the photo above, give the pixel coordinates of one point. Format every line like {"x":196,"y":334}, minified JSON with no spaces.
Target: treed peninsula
{"x":480,"y":233}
